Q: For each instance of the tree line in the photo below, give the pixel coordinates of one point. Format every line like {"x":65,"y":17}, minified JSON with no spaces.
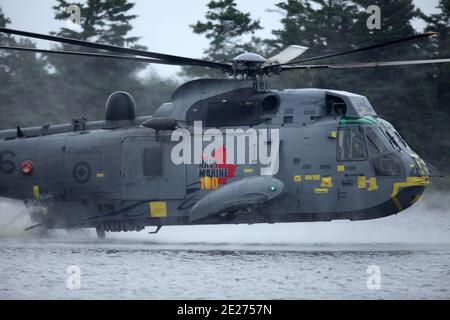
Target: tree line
{"x":37,"y":89}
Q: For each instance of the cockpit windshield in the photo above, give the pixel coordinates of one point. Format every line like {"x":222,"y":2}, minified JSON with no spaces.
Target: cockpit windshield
{"x":393,"y":136}
{"x":397,"y":138}
{"x":377,"y":141}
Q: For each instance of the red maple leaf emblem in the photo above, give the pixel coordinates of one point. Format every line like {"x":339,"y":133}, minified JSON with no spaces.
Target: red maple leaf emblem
{"x":220,"y":158}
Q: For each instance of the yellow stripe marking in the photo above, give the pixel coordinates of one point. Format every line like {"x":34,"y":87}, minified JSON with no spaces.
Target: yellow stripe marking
{"x":321,"y":190}
{"x":410,"y":182}
{"x":397,"y":204}
{"x":36,"y":192}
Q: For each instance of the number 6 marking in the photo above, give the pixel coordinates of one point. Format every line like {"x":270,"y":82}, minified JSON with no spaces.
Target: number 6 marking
{"x":7,"y":166}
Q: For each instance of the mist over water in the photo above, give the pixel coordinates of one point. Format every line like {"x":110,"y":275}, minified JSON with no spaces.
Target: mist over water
{"x":427,"y":222}
{"x":14,"y":218}
{"x":327,"y":260}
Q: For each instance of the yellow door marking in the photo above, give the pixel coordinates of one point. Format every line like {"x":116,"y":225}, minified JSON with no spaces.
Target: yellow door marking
{"x":248,"y":170}
{"x":373,"y":185}
{"x":308,"y":177}
{"x":316,"y":177}
{"x":100,"y":175}
{"x":361,"y":182}
{"x":327,"y":182}
{"x":158,"y":209}
{"x":321,"y":190}
{"x":341,"y":168}
{"x":36,"y":192}
{"x":298,"y":178}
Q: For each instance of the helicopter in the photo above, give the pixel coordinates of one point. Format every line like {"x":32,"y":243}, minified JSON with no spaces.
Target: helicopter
{"x":266,"y":156}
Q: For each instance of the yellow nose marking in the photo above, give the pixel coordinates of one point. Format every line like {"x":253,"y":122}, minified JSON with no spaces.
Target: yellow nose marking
{"x":410,"y":182}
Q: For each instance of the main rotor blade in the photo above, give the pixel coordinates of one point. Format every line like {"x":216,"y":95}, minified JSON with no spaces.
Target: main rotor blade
{"x":288,"y":54}
{"x":376,"y":46}
{"x":366,"y":64}
{"x":86,"y":54}
{"x":175,"y":60}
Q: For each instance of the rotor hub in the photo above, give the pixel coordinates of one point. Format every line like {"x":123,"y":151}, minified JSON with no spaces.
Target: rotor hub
{"x":249,"y":65}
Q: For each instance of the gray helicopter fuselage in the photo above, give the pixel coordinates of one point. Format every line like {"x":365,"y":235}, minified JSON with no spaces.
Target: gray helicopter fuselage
{"x":336,"y":160}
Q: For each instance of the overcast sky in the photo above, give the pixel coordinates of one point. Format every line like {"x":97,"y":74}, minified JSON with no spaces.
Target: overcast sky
{"x":162,"y":25}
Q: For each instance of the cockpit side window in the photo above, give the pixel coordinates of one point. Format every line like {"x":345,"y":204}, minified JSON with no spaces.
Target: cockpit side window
{"x":351,"y":145}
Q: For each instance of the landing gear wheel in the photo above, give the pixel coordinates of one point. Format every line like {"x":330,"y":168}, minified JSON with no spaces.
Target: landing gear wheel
{"x":101,"y":234}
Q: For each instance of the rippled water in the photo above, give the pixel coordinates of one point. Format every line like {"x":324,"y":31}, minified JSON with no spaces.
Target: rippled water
{"x":186,"y":271}
{"x":286,"y":261}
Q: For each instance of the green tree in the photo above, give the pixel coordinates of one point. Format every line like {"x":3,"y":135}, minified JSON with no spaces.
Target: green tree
{"x":24,"y":83}
{"x":83,"y":83}
{"x":440,"y":22}
{"x":226,"y":27}
{"x":405,"y":96}
{"x":318,"y":24}
{"x":158,"y":90}
{"x":297,"y":23}
{"x":323,"y":26}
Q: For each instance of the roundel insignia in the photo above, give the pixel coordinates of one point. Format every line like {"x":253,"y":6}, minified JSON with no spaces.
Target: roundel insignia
{"x":82,"y":172}
{"x":26,"y":167}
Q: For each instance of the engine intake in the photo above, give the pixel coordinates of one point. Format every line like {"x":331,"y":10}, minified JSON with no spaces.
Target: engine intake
{"x":120,"y":106}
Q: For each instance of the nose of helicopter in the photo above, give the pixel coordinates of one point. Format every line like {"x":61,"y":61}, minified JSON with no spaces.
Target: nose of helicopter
{"x":408,"y":191}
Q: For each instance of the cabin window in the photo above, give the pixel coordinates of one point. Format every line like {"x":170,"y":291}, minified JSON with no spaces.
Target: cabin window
{"x":152,"y":162}
{"x":335,"y":105}
{"x":288,"y":119}
{"x":351,"y":144}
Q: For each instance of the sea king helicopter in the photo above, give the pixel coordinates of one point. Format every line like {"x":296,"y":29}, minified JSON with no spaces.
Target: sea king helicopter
{"x":223,"y":151}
